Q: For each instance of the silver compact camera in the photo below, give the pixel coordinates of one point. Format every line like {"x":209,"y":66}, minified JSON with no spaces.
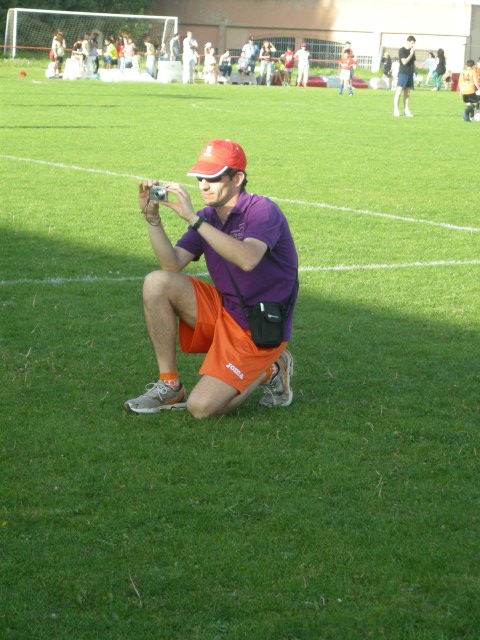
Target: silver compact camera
{"x":158,"y":193}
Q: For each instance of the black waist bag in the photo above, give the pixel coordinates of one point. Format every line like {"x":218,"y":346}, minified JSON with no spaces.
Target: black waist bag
{"x":266,"y":321}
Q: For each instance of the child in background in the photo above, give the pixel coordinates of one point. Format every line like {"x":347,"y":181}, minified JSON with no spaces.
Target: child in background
{"x":469,"y":88}
{"x":395,"y":70}
{"x":110,"y":57}
{"x":447,"y":80}
{"x":129,"y":52}
{"x":120,"y":45}
{"x":431,"y":64}
{"x":289,"y":63}
{"x":345,"y":64}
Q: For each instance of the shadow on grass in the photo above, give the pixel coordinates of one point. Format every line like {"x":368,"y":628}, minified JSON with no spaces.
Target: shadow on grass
{"x":262,"y":524}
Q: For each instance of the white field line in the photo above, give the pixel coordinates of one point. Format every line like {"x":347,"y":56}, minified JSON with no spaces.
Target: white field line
{"x":320,"y":205}
{"x":391,"y":216}
{"x":338,"y":267}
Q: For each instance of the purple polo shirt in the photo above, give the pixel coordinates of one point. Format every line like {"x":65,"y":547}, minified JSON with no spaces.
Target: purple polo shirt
{"x":273,"y":279}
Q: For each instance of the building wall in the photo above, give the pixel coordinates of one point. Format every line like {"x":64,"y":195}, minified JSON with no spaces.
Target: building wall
{"x":473,"y":45}
{"x":370,"y":25}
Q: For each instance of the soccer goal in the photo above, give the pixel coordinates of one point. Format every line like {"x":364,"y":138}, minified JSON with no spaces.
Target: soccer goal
{"x":30,"y":30}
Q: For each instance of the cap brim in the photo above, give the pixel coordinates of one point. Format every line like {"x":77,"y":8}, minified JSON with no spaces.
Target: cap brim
{"x":206,"y":170}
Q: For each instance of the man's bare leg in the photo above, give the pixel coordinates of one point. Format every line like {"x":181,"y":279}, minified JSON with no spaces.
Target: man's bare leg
{"x":166,"y":297}
{"x":212,"y":397}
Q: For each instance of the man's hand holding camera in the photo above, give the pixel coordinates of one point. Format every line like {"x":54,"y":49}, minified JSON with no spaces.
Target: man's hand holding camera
{"x":148,"y":206}
{"x":151,"y":195}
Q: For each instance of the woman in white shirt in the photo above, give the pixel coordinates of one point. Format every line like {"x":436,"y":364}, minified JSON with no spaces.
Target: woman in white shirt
{"x":149,"y":56}
{"x":266,"y":62}
{"x":210,"y":67}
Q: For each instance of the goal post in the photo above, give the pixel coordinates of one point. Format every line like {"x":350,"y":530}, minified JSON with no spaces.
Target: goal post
{"x":32,"y":30}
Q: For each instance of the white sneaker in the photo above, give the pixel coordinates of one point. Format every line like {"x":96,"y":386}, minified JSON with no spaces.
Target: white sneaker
{"x":158,"y":397}
{"x":408,"y":114}
{"x":396,"y":113}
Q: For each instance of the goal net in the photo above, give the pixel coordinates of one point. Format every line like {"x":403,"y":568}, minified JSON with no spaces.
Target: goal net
{"x":32,"y":30}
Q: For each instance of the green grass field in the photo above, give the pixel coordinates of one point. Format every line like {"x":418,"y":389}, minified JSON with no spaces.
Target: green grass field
{"x":352,"y":514}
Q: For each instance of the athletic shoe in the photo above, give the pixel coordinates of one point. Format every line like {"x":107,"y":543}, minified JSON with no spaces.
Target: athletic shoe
{"x":159,"y":397}
{"x":277,"y":392}
{"x":396,"y":113}
{"x":408,"y":114}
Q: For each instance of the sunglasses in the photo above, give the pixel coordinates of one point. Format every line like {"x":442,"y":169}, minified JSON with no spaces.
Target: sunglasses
{"x":229,"y":172}
{"x":217,"y":179}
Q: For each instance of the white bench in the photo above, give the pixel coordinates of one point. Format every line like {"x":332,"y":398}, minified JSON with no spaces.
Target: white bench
{"x":169,"y":71}
{"x":235,"y":78}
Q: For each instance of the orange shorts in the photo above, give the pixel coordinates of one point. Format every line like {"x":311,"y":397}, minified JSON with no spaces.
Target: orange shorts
{"x":231,"y":355}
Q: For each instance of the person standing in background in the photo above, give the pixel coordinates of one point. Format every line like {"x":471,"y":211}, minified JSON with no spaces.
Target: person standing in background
{"x":469,"y":87}
{"x":405,"y":81}
{"x":440,"y":69}
{"x":303,"y":58}
{"x":120,"y":45}
{"x":250,"y":49}
{"x":266,"y":62}
{"x":58,"y":48}
{"x":149,"y":56}
{"x":129,"y":51}
{"x":289,"y":62}
{"x":175,"y":48}
{"x":387,"y":66}
{"x":86,"y":53}
{"x":430,"y":63}
{"x":348,"y":45}
{"x":189,"y":58}
{"x":345,"y":66}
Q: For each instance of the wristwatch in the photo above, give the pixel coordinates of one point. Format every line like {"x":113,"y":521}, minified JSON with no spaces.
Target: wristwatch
{"x":200,"y":220}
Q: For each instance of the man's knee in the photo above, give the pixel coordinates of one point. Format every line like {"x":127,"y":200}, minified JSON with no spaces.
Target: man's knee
{"x":200,"y":407}
{"x":158,"y":283}
{"x":151,"y":282}
{"x":170,"y":290}
{"x":207,"y":401}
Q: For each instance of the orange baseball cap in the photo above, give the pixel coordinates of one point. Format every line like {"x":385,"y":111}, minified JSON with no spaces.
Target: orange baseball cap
{"x":216,"y":157}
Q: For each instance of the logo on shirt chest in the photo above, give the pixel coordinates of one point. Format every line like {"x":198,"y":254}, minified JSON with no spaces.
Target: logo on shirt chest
{"x":238,"y":233}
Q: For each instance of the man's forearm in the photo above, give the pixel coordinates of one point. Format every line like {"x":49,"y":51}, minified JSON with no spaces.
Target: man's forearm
{"x":245,"y":254}
{"x":163,"y":249}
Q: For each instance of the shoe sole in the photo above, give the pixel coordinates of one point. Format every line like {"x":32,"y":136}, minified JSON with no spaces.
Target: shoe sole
{"x":290,"y":392}
{"x":165,"y":407}
{"x":290,"y":375}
